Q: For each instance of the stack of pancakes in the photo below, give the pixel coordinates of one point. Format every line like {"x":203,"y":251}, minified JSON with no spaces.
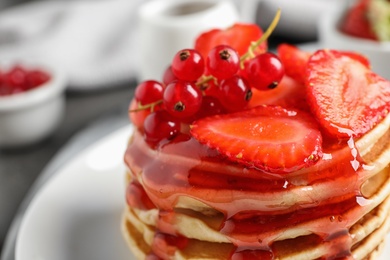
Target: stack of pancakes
{"x":185,"y":201}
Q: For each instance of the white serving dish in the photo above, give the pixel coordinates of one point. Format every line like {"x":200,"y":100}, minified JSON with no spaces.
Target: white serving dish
{"x":30,"y":116}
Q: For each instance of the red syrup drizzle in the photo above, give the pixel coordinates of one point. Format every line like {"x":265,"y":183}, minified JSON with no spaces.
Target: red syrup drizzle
{"x":165,"y":245}
{"x":249,"y":254}
{"x":152,"y":256}
{"x":253,"y":231}
{"x":136,"y":197}
{"x":166,"y":240}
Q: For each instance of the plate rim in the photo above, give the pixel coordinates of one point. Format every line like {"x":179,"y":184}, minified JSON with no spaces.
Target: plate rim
{"x":79,"y":158}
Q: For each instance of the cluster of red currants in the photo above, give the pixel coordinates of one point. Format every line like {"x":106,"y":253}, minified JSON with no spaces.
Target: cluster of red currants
{"x":18,"y":79}
{"x":195,"y":86}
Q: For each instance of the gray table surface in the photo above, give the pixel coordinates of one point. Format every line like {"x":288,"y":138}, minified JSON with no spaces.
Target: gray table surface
{"x":89,"y":116}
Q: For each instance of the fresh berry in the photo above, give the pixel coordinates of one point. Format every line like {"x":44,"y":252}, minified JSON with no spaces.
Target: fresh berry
{"x":294,"y":61}
{"x":358,"y":57}
{"x":19,"y":79}
{"x":209,"y":87}
{"x":223,"y":62}
{"x":235,"y":93}
{"x":188,"y":64}
{"x":210,"y":106}
{"x":35,"y":78}
{"x":347,"y":98}
{"x":264,"y":71}
{"x":269,"y":138}
{"x":239,"y":37}
{"x":137,"y":116}
{"x":168,"y":76}
{"x":159,"y":126}
{"x":148,"y":97}
{"x":289,"y":94}
{"x":148,"y":92}
{"x":5,"y":90}
{"x":15,"y":77}
{"x":356,"y":22}
{"x":182,"y":99}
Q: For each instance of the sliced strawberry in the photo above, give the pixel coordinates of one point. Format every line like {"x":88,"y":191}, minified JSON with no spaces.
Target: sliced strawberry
{"x":358,"y":57}
{"x":239,"y":36}
{"x":356,"y":23}
{"x":347,"y":98}
{"x":294,"y":61}
{"x":269,"y":138}
{"x":288,"y":94}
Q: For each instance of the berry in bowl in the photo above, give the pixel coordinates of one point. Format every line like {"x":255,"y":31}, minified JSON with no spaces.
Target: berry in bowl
{"x":361,"y":26}
{"x":31,"y":103}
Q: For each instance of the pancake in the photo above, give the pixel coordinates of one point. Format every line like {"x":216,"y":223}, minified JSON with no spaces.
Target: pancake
{"x":374,"y":226}
{"x":186,"y":202}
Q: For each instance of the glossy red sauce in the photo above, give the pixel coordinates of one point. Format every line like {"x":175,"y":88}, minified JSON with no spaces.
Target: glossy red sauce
{"x":250,"y":200}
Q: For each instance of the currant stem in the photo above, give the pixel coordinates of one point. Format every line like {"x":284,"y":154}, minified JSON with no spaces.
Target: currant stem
{"x":141,"y":107}
{"x":250,"y":53}
{"x":204,"y":79}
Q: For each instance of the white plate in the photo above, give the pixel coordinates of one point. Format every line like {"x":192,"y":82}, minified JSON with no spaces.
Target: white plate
{"x":76,"y":215}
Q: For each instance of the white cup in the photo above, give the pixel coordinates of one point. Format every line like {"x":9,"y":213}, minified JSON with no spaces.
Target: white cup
{"x":167,"y":26}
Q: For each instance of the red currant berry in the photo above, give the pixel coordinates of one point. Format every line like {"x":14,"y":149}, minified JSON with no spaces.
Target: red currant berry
{"x":35,"y":78}
{"x":148,"y":92}
{"x":264,"y":71}
{"x":210,"y":106}
{"x":5,"y":90}
{"x":168,"y":76}
{"x":223,"y":62}
{"x":182,"y":99}
{"x":137,"y":117}
{"x":15,"y":77}
{"x":159,"y":126}
{"x":209,"y":88}
{"x":1,"y":76}
{"x":188,"y":65}
{"x":235,"y":93}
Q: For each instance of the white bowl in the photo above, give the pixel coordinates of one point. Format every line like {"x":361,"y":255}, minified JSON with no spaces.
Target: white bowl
{"x":30,"y":116}
{"x":331,"y":37}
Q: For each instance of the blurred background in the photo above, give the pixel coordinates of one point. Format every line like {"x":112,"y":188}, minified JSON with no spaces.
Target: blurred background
{"x":94,"y":45}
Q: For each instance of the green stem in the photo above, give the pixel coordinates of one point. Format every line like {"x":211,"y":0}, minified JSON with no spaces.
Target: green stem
{"x":204,"y":79}
{"x":141,"y":107}
{"x":251,"y":50}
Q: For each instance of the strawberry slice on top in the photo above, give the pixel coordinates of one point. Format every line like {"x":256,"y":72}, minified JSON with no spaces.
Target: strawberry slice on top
{"x":289,"y":94}
{"x":347,"y":98}
{"x":269,"y":138}
{"x":294,"y":61}
{"x":239,"y":37}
